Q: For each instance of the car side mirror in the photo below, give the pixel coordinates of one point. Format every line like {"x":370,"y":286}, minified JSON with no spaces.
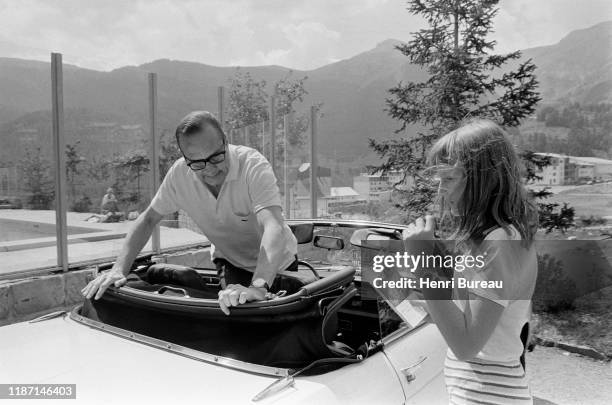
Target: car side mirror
{"x":361,"y":237}
{"x":328,"y":242}
{"x":303,"y":232}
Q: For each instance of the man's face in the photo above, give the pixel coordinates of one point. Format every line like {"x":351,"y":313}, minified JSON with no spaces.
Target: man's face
{"x":202,"y":145}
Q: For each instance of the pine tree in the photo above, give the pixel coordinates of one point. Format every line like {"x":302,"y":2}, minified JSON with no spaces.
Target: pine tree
{"x":464,"y":80}
{"x":37,"y":180}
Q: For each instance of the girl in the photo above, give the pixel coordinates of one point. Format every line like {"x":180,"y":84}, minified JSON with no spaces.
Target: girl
{"x":481,"y":187}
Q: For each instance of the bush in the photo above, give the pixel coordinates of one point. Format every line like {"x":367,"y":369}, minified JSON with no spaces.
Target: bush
{"x":554,"y":291}
{"x":554,"y":217}
{"x":82,"y":205}
{"x":592,"y":220}
{"x":40,"y":201}
{"x":14,"y":203}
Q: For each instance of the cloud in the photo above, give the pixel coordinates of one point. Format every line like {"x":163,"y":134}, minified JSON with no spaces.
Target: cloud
{"x":311,"y":44}
{"x":524,"y":24}
{"x":298,"y":34}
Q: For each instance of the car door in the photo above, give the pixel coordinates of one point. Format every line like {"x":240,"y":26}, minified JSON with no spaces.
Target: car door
{"x":417,"y":355}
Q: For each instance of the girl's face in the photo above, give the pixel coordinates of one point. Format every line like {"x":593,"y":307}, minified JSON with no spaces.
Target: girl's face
{"x":452,"y":181}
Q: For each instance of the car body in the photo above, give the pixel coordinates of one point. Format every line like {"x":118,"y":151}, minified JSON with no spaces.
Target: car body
{"x":111,"y":364}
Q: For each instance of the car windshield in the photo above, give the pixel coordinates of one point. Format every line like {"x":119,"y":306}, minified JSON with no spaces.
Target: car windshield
{"x":324,"y":258}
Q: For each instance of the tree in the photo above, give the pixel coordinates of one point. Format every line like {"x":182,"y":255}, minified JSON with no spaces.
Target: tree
{"x":551,"y":215}
{"x":288,"y":93}
{"x":464,"y":80}
{"x":248,"y":114}
{"x":37,"y":180}
{"x":73,"y":161}
{"x":129,"y":168}
{"x":169,"y":153}
{"x":99,"y":169}
{"x":249,"y":104}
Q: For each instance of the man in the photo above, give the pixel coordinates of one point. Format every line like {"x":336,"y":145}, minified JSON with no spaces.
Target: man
{"x":109,"y":202}
{"x":230,"y":192}
{"x":110,"y":207}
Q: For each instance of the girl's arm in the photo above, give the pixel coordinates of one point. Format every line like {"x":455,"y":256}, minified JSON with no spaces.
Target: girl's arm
{"x":465,"y":332}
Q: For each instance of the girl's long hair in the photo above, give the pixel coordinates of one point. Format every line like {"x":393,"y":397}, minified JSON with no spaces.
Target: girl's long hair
{"x":494,"y":194}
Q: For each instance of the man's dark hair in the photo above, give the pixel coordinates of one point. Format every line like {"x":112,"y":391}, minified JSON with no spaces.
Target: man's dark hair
{"x":195,"y":122}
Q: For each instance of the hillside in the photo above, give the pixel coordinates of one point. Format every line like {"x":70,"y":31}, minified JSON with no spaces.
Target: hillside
{"x":353,"y":90}
{"x":579,"y":67}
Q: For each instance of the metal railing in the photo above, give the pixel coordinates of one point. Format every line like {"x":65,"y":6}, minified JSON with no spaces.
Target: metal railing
{"x":59,"y":163}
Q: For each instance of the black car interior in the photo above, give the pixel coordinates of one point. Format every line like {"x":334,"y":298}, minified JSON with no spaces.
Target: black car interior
{"x":320,"y":311}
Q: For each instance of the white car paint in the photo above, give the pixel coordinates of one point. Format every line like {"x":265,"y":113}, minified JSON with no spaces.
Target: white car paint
{"x":110,"y":369}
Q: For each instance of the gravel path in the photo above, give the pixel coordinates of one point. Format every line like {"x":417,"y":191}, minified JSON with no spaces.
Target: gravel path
{"x":561,"y":378}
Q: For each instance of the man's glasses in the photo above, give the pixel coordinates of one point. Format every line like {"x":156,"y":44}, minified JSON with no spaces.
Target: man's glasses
{"x":201,"y":164}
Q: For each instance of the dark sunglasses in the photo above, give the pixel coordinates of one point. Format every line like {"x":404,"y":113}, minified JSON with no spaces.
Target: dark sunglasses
{"x":200,"y":164}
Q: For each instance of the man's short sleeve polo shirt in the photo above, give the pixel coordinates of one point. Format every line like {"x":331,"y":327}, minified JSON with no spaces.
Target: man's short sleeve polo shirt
{"x":229,"y":220}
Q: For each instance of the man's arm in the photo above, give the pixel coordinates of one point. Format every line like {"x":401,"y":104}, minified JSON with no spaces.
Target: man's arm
{"x":272,"y":251}
{"x":135,"y":240}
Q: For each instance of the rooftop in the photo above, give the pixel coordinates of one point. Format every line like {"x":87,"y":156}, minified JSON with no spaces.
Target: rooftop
{"x":592,"y":160}
{"x":342,"y":192}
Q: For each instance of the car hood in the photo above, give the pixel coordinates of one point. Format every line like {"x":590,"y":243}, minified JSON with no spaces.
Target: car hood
{"x":110,"y":369}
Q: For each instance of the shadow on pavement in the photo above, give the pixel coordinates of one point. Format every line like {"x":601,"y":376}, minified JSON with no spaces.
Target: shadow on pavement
{"x":541,"y":401}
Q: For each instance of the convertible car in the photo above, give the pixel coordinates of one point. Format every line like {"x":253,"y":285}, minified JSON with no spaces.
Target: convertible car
{"x":323,"y":336}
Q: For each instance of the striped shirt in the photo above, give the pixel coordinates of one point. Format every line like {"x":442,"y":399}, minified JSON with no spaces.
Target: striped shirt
{"x":495,"y":375}
{"x":487,"y":383}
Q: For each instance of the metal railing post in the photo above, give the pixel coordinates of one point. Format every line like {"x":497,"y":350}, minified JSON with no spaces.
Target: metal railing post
{"x":263,"y":139}
{"x":154,"y":152}
{"x":220,"y":112}
{"x":273,"y":133}
{"x":59,"y":159}
{"x":313,"y":162}
{"x":285,"y":170}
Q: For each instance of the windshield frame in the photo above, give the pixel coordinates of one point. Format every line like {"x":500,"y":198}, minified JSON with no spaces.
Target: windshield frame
{"x":178,"y":349}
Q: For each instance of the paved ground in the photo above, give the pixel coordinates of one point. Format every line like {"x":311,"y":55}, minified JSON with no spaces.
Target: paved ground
{"x":561,"y":378}
{"x":81,"y":250}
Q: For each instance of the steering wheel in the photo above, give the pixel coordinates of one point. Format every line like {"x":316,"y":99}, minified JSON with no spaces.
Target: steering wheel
{"x":303,"y":263}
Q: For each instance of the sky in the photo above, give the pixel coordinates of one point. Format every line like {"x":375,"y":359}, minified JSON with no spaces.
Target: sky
{"x":303,"y":35}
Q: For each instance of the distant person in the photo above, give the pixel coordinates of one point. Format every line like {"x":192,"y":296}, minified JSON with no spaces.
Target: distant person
{"x":231,"y":193}
{"x":109,"y":202}
{"x":110,"y":207}
{"x":481,"y":187}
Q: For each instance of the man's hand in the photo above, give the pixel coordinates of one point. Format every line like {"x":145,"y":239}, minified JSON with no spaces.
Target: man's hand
{"x":99,"y":285}
{"x":236,"y":294}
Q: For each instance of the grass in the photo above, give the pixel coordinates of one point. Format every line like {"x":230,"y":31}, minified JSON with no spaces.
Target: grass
{"x":585,"y":204}
{"x":595,"y":199}
{"x":588,"y":324}
{"x":601,"y":188}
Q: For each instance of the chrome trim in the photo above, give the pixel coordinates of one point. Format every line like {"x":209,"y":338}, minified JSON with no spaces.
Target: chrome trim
{"x":202,"y":302}
{"x":346,"y":223}
{"x":104,"y":262}
{"x":178,"y":349}
{"x":400,"y":333}
{"x":48,"y":316}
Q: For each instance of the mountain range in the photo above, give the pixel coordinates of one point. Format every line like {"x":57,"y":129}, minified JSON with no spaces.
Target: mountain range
{"x":353,"y":91}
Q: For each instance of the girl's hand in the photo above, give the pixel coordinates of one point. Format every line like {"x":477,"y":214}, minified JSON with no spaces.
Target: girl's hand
{"x":421,"y":229}
{"x":419,"y":237}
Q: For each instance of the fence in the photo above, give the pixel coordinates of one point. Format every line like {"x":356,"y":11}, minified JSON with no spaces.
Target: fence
{"x":57,"y":170}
